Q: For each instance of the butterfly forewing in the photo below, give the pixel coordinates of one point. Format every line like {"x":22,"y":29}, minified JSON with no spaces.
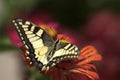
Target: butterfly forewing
{"x":34,"y":38}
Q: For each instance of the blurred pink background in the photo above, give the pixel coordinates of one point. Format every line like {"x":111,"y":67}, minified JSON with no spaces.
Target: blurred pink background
{"x":103,"y":31}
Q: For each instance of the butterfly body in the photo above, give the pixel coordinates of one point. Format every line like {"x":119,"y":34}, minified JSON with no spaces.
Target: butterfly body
{"x":41,"y":49}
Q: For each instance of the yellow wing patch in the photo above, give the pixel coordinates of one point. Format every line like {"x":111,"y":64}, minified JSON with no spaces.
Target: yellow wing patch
{"x":63,"y":38}
{"x":51,"y":31}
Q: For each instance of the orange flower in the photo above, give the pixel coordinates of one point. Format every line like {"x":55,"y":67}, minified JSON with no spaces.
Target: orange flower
{"x":72,"y":69}
{"x":75,"y":69}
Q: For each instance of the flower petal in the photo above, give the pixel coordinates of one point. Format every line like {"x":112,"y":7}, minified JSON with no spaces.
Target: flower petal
{"x":56,"y":74}
{"x":88,"y":67}
{"x":90,"y":74}
{"x":88,"y":54}
{"x":77,"y":76}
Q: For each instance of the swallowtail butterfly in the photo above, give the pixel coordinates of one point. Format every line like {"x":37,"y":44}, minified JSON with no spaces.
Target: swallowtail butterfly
{"x":41,"y":49}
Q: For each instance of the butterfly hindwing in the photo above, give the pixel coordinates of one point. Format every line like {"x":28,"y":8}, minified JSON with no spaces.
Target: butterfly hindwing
{"x":62,"y":52}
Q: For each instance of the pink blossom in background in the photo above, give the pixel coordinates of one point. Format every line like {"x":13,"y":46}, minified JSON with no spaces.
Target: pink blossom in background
{"x":12,"y":33}
{"x":103,"y":31}
{"x":104,"y":24}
